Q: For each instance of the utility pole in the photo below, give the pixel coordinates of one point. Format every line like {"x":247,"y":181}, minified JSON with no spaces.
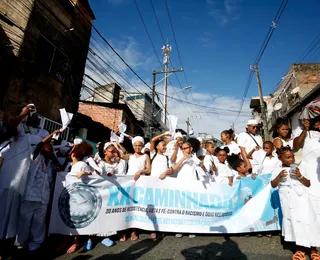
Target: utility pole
{"x":166,"y":49}
{"x":188,"y":124}
{"x":262,"y":104}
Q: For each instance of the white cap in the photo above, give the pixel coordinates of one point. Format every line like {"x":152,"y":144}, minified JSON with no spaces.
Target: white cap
{"x":177,"y":134}
{"x":137,"y":139}
{"x":252,"y":122}
{"x":77,"y":141}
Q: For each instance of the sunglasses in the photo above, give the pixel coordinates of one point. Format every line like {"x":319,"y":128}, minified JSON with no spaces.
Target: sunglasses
{"x":254,"y":127}
{"x":184,"y":148}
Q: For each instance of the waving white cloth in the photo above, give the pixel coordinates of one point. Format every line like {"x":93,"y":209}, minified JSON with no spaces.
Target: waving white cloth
{"x":65,"y":119}
{"x":173,"y":120}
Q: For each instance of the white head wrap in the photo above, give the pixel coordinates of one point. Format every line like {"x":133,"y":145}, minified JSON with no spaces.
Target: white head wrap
{"x":106,"y":145}
{"x":137,"y":139}
{"x":200,"y":139}
{"x":252,"y":122}
{"x":147,"y":146}
{"x":177,"y":134}
{"x":77,"y":141}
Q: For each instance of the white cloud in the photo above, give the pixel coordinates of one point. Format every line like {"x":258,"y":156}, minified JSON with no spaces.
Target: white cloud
{"x":224,"y":11}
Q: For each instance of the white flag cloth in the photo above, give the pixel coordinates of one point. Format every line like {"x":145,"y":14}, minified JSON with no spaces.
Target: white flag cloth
{"x":114,"y":137}
{"x":65,"y":119}
{"x":173,"y":121}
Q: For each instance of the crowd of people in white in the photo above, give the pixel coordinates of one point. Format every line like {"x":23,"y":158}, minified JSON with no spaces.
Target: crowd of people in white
{"x":30,"y":160}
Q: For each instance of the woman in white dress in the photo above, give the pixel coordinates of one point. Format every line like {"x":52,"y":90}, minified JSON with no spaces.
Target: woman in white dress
{"x":138,"y":164}
{"x":299,"y":223}
{"x":308,"y":140}
{"x":226,"y":137}
{"x":282,"y":134}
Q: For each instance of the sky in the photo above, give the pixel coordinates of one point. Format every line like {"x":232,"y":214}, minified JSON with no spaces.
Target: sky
{"x":217,"y":41}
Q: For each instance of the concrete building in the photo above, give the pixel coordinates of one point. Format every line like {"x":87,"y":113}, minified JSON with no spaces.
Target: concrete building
{"x":297,"y":83}
{"x":43,"y":51}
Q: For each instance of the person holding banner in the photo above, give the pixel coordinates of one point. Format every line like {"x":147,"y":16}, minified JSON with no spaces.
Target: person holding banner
{"x":78,"y":170}
{"x":107,"y":163}
{"x":138,"y":163}
{"x":299,"y":223}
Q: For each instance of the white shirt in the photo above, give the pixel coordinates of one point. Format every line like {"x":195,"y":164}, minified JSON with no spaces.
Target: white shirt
{"x":233,"y":147}
{"x":122,"y":167}
{"x":136,"y":163}
{"x":39,"y":181}
{"x":263,"y":164}
{"x":246,"y":140}
{"x":108,"y":168}
{"x":187,"y":169}
{"x":207,"y":162}
{"x":76,"y":168}
{"x":160,"y":164}
{"x":223,"y":172}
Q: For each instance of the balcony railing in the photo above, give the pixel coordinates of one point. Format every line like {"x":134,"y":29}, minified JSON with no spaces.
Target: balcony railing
{"x":51,"y":125}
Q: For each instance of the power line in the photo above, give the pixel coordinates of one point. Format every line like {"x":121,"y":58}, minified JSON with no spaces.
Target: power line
{"x":257,"y":59}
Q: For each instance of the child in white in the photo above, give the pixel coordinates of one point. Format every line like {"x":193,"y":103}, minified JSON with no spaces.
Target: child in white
{"x":139,"y":163}
{"x":107,"y":161}
{"x":226,"y":137}
{"x":161,"y":165}
{"x":32,"y":220}
{"x":264,"y":161}
{"x":186,"y":167}
{"x":224,"y":172}
{"x":239,"y":166}
{"x":210,"y":160}
{"x":299,"y":224}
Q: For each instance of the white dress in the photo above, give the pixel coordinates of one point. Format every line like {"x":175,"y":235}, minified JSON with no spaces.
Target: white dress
{"x":77,"y":167}
{"x":188,"y":169}
{"x":160,"y":164}
{"x":108,"y":168}
{"x":311,"y":164}
{"x":299,"y":223}
{"x":233,"y":147}
{"x":136,"y":164}
{"x":13,"y":178}
{"x":223,"y":172}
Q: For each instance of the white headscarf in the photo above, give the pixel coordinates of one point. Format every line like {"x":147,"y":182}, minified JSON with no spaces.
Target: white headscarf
{"x":77,"y":141}
{"x":177,"y":134}
{"x":137,"y":139}
{"x":106,"y":145}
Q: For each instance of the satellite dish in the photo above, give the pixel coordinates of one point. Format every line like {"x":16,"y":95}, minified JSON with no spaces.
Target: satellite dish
{"x":277,"y":106}
{"x":295,"y":90}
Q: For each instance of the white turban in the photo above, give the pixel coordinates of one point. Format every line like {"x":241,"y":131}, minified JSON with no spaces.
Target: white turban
{"x":147,"y":146}
{"x":77,"y":141}
{"x":137,"y":139}
{"x":200,"y":139}
{"x":177,"y":134}
{"x":252,"y":122}
{"x":106,"y":145}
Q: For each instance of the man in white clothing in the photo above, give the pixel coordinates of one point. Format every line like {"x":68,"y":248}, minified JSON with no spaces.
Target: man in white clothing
{"x":249,"y":141}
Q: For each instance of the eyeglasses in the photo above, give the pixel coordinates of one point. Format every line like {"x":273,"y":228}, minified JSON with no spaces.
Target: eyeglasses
{"x":112,"y":151}
{"x":184,"y":148}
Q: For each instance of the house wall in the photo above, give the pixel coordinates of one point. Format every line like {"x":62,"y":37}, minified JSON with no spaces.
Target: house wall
{"x":29,"y":79}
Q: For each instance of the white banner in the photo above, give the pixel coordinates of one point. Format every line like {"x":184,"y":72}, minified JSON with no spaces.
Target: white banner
{"x":96,"y":205}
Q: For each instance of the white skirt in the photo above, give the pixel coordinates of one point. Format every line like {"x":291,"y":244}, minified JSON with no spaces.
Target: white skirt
{"x":9,"y":214}
{"x":299,"y":223}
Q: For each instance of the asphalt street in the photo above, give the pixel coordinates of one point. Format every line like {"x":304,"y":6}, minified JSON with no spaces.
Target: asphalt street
{"x":200,"y":247}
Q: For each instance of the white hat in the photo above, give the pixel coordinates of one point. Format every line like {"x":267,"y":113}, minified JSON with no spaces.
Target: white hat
{"x":200,"y":139}
{"x":106,"y":145}
{"x":177,"y":134}
{"x":147,"y":146}
{"x":252,"y":122}
{"x":137,"y":139}
{"x":77,"y":141}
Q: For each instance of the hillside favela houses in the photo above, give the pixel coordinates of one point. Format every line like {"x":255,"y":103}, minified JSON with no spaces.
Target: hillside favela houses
{"x":299,"y":86}
{"x":44,"y":46}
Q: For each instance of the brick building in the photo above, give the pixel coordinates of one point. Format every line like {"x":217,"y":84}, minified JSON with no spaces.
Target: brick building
{"x":43,"y":50}
{"x":111,"y":115}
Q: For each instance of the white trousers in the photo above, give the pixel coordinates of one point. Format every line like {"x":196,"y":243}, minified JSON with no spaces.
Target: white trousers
{"x":32,"y":224}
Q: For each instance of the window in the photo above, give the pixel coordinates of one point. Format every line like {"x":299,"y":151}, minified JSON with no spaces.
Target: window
{"x":50,"y":59}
